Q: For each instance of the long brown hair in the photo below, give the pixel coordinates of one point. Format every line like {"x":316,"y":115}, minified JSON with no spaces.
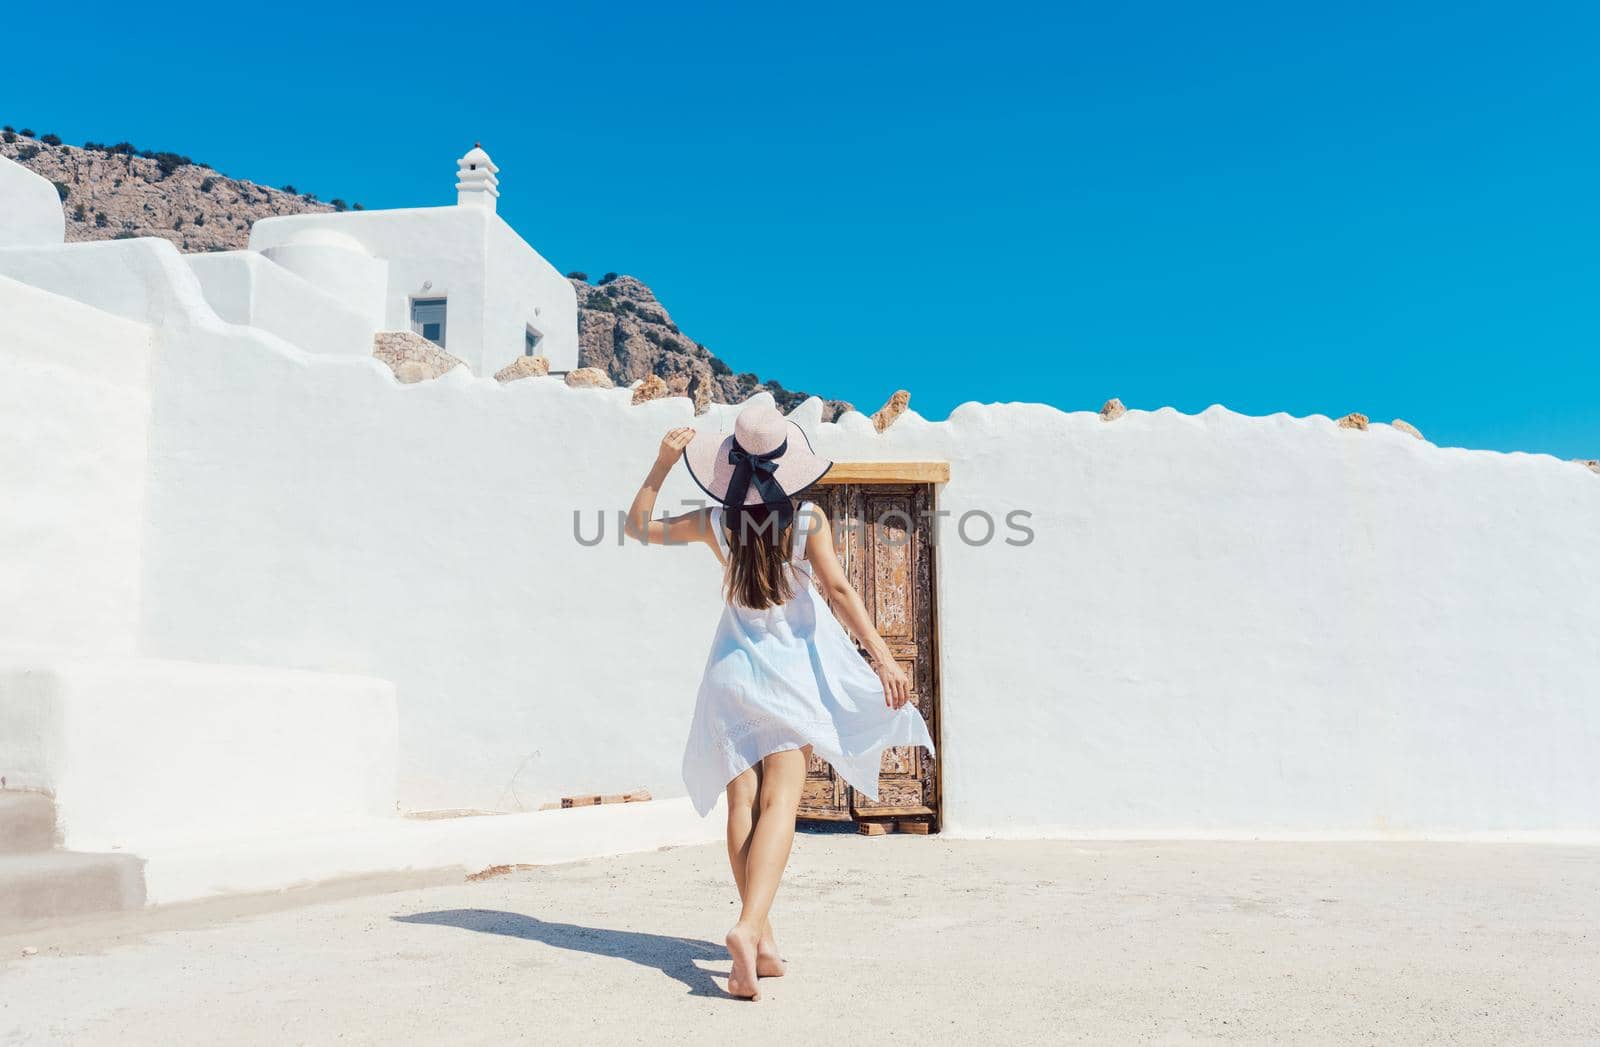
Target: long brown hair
{"x":759,"y":539}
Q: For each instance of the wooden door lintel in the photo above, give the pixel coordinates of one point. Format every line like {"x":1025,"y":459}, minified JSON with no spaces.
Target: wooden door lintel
{"x":887,"y":473}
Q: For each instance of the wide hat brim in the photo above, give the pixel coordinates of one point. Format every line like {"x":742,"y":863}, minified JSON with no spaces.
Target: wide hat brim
{"x":706,"y":458}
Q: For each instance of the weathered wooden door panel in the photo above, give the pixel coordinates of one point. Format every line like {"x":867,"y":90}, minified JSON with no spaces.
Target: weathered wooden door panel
{"x":899,"y":578}
{"x":882,"y":533}
{"x":824,"y":795}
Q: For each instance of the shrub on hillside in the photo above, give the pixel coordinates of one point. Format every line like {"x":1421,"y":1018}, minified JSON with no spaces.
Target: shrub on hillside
{"x":62,"y":189}
{"x":51,"y":139}
{"x":100,"y":220}
{"x":9,"y":135}
{"x":167,"y":163}
{"x":582,"y":277}
{"x":606,"y":279}
{"x":207,"y":184}
{"x":720,"y":368}
{"x":338,"y":204}
{"x":79,"y":214}
{"x":27,"y":152}
{"x":27,"y":132}
{"x":290,"y":189}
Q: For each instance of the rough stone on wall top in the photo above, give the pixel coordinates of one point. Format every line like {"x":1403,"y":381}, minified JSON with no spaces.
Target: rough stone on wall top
{"x":1405,"y":427}
{"x":1353,"y":420}
{"x":654,"y":387}
{"x":1112,"y":410}
{"x":411,"y":357}
{"x":589,"y":378}
{"x":891,"y":411}
{"x":523,"y":367}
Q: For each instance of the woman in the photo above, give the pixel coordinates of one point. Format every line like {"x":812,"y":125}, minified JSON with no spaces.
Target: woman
{"x":783,"y":680}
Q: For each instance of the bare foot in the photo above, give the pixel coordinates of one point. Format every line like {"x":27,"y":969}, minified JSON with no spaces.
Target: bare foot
{"x":768,"y":963}
{"x":742,"y":948}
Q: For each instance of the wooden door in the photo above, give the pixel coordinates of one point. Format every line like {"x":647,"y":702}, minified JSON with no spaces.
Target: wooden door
{"x":883,"y":535}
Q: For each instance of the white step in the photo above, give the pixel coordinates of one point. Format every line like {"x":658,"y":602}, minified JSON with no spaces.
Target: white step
{"x":36,"y":888}
{"x":27,"y":822}
{"x":139,"y":751}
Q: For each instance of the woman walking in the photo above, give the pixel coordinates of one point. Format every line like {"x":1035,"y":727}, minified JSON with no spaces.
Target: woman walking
{"x":783,"y":679}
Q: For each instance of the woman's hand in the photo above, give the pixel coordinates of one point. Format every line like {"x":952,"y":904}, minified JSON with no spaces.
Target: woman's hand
{"x":896,"y":685}
{"x":672,"y":445}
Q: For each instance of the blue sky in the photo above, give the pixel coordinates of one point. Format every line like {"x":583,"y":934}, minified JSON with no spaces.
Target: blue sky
{"x":1390,"y":208}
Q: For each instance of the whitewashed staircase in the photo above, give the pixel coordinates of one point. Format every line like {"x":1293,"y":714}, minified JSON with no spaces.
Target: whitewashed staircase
{"x":40,"y":882}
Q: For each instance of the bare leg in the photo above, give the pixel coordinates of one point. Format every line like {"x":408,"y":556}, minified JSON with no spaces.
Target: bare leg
{"x":743,"y":798}
{"x":782,"y":775}
{"x":742,"y":794}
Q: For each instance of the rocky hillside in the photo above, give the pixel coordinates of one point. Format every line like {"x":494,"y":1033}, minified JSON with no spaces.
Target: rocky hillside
{"x":112,"y":191}
{"x":624,"y":330}
{"x":119,"y":191}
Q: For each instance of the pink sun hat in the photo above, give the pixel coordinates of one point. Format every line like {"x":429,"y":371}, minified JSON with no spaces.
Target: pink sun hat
{"x":767,"y":455}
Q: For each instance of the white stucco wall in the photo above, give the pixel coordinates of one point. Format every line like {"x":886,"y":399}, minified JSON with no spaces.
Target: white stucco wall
{"x":75,"y":407}
{"x":529,"y":293}
{"x":30,"y":208}
{"x":1238,"y":625}
{"x":1225,"y":624}
{"x":492,"y":278}
{"x":247,"y":288}
{"x":423,"y":534}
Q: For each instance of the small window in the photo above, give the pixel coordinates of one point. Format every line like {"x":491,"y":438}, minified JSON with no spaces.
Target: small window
{"x":427,"y":319}
{"x":530,"y":342}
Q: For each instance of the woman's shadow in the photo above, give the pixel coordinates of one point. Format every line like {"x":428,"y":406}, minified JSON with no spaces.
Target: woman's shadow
{"x":674,"y":957}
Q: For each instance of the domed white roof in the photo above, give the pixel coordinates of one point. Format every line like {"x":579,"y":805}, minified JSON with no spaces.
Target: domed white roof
{"x":324,"y":237}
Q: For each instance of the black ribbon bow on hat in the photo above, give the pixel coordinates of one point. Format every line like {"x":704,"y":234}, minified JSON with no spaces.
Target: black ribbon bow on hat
{"x":758,"y":469}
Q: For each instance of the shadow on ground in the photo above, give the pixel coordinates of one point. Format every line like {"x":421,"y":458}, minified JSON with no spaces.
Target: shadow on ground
{"x":674,"y":957}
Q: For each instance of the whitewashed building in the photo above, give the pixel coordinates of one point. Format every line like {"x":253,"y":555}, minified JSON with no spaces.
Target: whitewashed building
{"x":459,"y":276}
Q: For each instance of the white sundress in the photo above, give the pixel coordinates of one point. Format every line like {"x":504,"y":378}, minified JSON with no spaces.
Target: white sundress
{"x":786,"y":677}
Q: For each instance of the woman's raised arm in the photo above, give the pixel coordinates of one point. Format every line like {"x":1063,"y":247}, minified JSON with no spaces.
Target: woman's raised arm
{"x":675,"y":530}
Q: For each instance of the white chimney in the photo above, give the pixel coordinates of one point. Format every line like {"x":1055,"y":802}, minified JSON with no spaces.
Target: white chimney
{"x":476,"y":184}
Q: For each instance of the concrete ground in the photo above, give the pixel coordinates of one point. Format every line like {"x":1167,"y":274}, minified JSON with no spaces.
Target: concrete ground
{"x":890,"y":940}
